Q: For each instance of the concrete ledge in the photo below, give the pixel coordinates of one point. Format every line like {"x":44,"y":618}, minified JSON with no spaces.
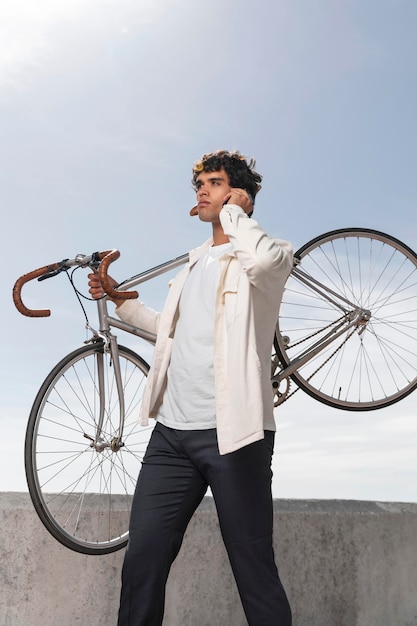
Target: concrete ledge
{"x":343,"y":563}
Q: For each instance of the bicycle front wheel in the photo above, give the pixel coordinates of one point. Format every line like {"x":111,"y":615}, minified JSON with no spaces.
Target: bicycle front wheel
{"x":82,"y":491}
{"x":357,"y":287}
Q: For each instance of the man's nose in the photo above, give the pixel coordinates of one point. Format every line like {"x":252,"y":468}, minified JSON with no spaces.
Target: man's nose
{"x":202,"y":191}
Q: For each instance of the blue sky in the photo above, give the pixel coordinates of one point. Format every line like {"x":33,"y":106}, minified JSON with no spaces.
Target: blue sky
{"x":104,"y":107}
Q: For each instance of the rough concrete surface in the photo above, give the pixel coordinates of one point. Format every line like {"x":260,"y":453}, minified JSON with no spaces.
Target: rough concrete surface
{"x":343,"y":563}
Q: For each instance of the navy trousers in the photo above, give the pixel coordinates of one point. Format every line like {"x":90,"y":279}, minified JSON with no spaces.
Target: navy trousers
{"x":177,"y":469}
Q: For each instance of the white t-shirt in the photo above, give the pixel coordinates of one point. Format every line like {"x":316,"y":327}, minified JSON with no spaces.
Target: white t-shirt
{"x":188,"y":402}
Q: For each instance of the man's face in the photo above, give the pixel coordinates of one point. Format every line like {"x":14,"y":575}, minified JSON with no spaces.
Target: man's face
{"x":212,"y":189}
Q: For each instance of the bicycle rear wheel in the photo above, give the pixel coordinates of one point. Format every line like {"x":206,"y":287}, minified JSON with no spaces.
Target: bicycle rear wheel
{"x":83,"y":494}
{"x":373,"y":363}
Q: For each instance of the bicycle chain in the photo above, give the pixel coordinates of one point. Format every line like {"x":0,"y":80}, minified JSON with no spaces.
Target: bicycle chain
{"x":318,"y":332}
{"x":289,"y":395}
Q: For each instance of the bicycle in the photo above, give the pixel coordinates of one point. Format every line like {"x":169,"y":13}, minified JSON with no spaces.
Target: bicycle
{"x":346,"y":335}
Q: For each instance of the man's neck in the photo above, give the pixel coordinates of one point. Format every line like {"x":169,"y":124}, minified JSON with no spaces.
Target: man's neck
{"x":218,"y":235}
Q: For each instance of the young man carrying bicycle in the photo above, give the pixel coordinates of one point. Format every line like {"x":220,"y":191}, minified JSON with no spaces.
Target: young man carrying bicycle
{"x":209,"y":389}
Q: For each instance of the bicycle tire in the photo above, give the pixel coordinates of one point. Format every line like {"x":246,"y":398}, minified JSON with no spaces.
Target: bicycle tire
{"x":374,"y":364}
{"x":83,"y":495}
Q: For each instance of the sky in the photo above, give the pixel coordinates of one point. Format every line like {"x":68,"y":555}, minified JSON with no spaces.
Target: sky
{"x":104,"y":107}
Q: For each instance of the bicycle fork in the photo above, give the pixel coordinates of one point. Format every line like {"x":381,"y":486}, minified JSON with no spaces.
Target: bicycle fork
{"x":116,"y":442}
{"x":110,"y":347}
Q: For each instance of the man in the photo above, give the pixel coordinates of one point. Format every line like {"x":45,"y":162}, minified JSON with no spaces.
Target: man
{"x":209,"y":389}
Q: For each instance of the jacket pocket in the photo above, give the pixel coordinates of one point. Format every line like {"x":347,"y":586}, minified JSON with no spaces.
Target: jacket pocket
{"x":231,"y":300}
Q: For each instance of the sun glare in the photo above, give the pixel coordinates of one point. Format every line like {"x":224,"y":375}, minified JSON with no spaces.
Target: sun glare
{"x":25,"y":26}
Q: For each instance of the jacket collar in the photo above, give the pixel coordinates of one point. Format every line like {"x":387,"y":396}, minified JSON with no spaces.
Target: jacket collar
{"x":196,"y":253}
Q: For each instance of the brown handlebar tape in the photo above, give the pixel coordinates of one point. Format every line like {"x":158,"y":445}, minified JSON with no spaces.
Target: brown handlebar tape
{"x":111,"y":256}
{"x":17,"y":291}
{"x":105,"y":257}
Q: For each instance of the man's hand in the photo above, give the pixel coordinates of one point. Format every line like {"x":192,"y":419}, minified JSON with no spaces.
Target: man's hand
{"x":96,"y":290}
{"x":241,"y":198}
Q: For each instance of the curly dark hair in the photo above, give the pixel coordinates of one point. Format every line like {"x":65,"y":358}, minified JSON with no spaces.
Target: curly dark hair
{"x":241,"y":173}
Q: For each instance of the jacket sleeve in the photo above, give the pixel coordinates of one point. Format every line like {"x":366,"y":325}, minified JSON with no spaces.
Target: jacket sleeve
{"x":136,"y":313}
{"x":264,"y":259}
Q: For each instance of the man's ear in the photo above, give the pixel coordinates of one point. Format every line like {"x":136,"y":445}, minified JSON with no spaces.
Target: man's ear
{"x":194,"y":211}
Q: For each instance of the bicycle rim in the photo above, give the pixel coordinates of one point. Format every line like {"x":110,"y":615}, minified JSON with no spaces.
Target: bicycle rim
{"x":373,"y":363}
{"x":83,"y":494}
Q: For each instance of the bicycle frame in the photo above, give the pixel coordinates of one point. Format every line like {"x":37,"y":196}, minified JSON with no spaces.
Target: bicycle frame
{"x":352,"y":317}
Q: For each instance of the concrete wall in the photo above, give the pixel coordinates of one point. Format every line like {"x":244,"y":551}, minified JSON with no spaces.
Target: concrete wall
{"x":343,"y":563}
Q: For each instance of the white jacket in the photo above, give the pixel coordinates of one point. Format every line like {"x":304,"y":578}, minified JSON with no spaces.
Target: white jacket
{"x":251,"y":283}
